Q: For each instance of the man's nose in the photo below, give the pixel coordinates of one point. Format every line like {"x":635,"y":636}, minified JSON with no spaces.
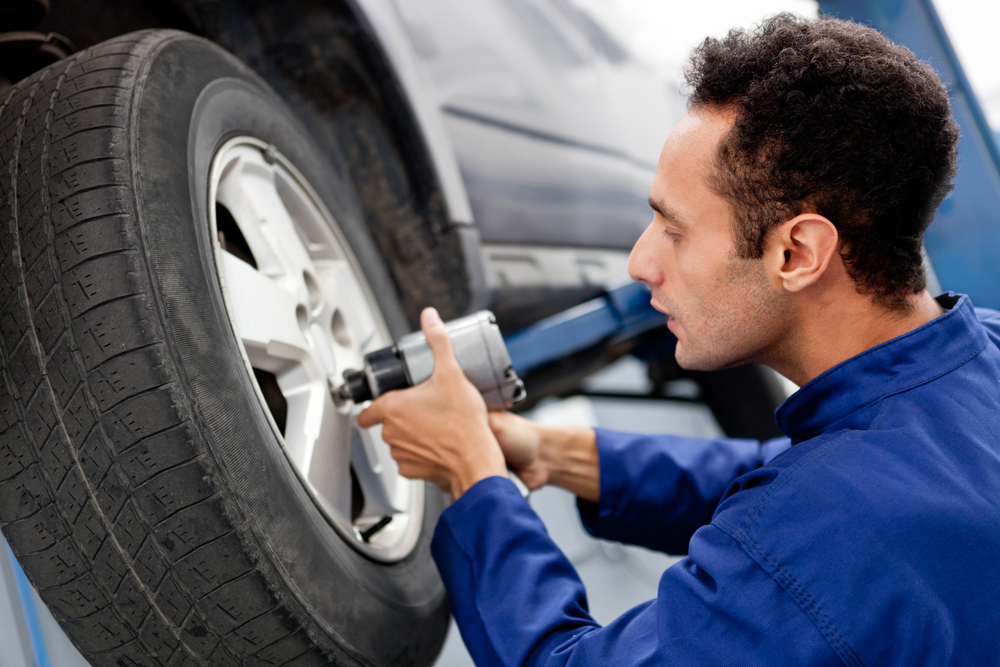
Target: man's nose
{"x":639,"y":264}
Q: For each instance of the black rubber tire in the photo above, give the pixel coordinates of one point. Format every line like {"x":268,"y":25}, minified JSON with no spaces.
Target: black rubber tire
{"x":141,"y":486}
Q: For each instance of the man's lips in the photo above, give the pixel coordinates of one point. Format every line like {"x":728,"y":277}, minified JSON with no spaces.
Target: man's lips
{"x":659,"y":307}
{"x":670,"y":318}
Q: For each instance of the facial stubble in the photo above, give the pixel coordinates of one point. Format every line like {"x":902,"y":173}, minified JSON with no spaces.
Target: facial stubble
{"x":741,"y":320}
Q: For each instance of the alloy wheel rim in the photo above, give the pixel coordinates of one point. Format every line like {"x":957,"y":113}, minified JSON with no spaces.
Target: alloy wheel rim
{"x":303,"y":313}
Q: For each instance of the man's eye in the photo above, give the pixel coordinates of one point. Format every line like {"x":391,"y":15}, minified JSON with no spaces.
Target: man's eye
{"x":671,"y":235}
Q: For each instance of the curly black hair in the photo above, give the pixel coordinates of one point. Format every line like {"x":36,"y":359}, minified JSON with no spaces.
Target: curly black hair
{"x":832,"y":118}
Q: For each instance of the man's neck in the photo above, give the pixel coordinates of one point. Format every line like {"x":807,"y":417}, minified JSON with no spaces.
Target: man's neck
{"x":829,"y":334}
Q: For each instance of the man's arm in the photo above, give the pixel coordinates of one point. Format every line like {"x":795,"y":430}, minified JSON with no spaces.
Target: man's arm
{"x":518,"y":601}
{"x":652,"y":491}
{"x":563,"y":456}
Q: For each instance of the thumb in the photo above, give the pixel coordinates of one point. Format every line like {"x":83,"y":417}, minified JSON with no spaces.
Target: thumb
{"x":437,"y":338}
{"x":373,"y":414}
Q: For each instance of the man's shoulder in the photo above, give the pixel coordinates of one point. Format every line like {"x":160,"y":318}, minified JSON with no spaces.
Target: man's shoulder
{"x":910,"y":461}
{"x":857,"y":526}
{"x":777,"y":487}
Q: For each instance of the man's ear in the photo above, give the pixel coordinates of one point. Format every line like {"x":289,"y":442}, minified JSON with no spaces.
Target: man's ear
{"x":801,"y":250}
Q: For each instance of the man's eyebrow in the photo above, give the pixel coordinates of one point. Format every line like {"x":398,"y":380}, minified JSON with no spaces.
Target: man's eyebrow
{"x":668,"y":213}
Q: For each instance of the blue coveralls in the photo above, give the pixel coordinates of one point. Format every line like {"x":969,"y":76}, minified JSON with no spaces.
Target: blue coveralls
{"x":873,"y":540}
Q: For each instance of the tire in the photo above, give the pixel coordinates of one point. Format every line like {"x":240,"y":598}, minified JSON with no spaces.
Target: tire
{"x":145,"y":485}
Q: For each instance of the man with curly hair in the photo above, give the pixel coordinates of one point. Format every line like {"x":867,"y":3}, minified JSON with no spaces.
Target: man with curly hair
{"x":789,"y":209}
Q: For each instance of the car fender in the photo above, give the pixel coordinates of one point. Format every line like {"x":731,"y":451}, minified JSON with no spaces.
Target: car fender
{"x":380,"y":20}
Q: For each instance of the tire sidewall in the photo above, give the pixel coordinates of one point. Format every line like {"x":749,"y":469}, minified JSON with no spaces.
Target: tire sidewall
{"x":181,"y":115}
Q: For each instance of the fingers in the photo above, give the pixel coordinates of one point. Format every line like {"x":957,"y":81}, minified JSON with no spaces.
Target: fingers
{"x":437,"y":338}
{"x":501,"y":420}
{"x":413,"y":467}
{"x":508,"y":426}
{"x":499,"y":423}
{"x":374,"y":413}
{"x":440,"y":344}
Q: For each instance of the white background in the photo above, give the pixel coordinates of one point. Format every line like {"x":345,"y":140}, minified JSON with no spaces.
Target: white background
{"x":661,"y":32}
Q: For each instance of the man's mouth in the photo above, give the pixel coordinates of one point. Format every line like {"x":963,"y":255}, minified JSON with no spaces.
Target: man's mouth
{"x":671,"y":320}
{"x":660,"y":307}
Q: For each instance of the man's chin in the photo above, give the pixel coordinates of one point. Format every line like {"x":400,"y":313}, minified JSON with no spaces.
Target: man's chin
{"x":691,"y":360}
{"x":685,"y":359}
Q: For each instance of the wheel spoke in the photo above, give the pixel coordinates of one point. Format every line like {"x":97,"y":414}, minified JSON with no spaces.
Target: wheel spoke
{"x":249,"y":192}
{"x":264,"y":313}
{"x":372,"y":473}
{"x":233,"y":194}
{"x":329,"y":459}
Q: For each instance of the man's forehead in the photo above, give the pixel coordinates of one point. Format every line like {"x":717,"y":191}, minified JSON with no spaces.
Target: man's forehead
{"x":698,"y":133}
{"x":682,"y":185}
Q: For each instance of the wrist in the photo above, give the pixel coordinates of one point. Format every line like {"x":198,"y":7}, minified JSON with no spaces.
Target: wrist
{"x":568,"y":454}
{"x":489,"y":462}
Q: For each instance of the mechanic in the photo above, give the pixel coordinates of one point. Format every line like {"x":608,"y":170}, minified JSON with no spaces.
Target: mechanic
{"x":789,"y":209}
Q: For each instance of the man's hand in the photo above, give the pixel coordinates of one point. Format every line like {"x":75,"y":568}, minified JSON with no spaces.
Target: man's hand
{"x":564,"y":456}
{"x":439,"y":429}
{"x":521,"y":442}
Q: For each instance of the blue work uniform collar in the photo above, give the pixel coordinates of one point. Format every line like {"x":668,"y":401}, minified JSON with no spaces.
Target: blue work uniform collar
{"x":916,"y":357}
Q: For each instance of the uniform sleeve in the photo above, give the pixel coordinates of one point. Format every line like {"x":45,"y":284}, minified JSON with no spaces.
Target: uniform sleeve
{"x":519,"y":602}
{"x":657,"y":490}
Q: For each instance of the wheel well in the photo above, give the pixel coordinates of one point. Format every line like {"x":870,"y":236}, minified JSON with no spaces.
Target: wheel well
{"x":333,"y":74}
